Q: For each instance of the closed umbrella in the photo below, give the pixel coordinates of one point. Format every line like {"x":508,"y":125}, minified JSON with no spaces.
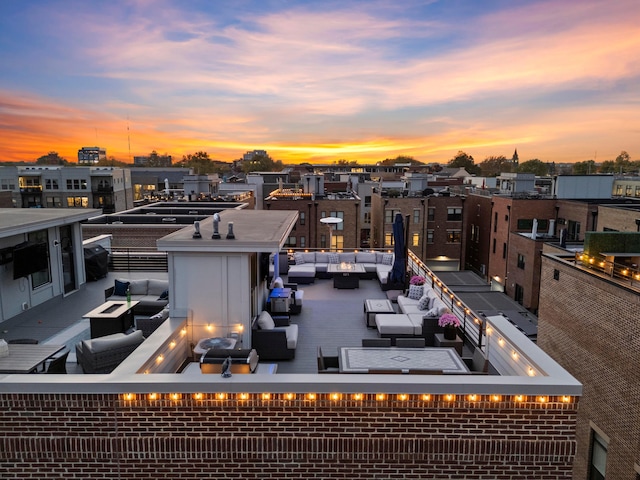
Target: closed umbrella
{"x":398,"y":270}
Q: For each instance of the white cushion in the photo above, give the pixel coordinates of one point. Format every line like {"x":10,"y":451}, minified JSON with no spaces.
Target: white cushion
{"x":347,"y":257}
{"x":333,"y":258}
{"x":366,"y":257}
{"x":437,"y":309}
{"x":299,"y":259}
{"x":139,"y":287}
{"x":115,"y":340}
{"x":161,"y":315}
{"x":398,"y":324}
{"x":322,"y":257}
{"x":156,"y":287}
{"x":309,"y":257}
{"x":415,"y":292}
{"x":265,"y":322}
{"x":387,"y":259}
{"x":423,"y":303}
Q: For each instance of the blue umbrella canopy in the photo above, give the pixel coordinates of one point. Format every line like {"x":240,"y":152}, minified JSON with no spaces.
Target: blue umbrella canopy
{"x":398,"y":269}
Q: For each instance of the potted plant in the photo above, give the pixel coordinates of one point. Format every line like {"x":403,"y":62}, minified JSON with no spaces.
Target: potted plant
{"x":417,"y":280}
{"x":450,"y":323}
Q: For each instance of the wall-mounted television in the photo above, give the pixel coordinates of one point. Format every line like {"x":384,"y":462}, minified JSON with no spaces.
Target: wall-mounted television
{"x":29,"y":258}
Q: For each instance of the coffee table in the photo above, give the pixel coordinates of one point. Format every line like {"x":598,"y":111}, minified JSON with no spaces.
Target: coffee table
{"x":372,"y":306}
{"x":113,"y":316}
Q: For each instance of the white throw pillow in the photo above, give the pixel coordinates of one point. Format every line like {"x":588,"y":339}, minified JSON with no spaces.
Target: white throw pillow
{"x":333,"y":258}
{"x":423,"y":303}
{"x":265,"y":322}
{"x":387,"y":259}
{"x":415,"y":292}
{"x":298,"y":258}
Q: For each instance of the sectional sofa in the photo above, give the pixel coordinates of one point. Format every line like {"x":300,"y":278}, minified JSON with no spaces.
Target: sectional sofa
{"x":311,"y":265}
{"x":152,"y":294}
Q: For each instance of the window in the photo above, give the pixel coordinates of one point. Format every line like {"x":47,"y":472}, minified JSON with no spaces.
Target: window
{"x":303,"y":242}
{"x":291,"y":241}
{"x":495,"y":222}
{"x":367,"y":217}
{"x":527,"y":224}
{"x":521,"y":261}
{"x":618,"y":189}
{"x":367,"y":200}
{"x":415,"y":240}
{"x":42,"y":277}
{"x":390,"y":215}
{"x":556,"y":274}
{"x":573,"y":230}
{"x":338,"y":242}
{"x":388,"y":239}
{"x":453,"y":236}
{"x":338,"y":226}
{"x":78,"y":202}
{"x":54,"y":202}
{"x":519,"y":294}
{"x":7,"y":184}
{"x":628,"y":191}
{"x":301,"y":218}
{"x":51,"y":184}
{"x":494,"y":245}
{"x":504,"y":250}
{"x":429,"y":236}
{"x":597,"y":457}
{"x":431,"y":214}
{"x":637,"y":191}
{"x":454,"y":214}
{"x":475,"y":233}
{"x":416,"y":215}
{"x":323,"y":240}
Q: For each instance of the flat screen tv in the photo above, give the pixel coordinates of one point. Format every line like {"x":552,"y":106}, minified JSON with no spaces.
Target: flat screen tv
{"x":29,"y":258}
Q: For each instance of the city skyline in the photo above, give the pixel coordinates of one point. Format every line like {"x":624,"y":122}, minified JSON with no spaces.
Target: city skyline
{"x":321,"y":81}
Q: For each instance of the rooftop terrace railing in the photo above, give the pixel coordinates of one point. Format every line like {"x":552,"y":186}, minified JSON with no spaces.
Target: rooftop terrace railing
{"x":624,"y":274}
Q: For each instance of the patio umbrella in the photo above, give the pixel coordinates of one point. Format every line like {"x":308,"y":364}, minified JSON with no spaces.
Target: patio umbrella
{"x":398,"y":271}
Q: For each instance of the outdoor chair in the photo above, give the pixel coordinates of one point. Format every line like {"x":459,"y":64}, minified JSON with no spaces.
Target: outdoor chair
{"x":410,"y":342}
{"x":327,"y":364}
{"x":376,"y":342}
{"x":58,"y":365}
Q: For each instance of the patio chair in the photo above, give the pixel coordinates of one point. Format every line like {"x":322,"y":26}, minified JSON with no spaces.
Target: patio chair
{"x":327,"y":364}
{"x":376,"y":342}
{"x":58,"y":365}
{"x":410,"y":342}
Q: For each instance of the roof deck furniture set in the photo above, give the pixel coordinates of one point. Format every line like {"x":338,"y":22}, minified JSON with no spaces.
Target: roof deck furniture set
{"x":311,"y":265}
{"x":274,"y":337}
{"x":149,"y":324}
{"x":104,"y":354}
{"x":151,"y":294}
{"x":420,"y":310}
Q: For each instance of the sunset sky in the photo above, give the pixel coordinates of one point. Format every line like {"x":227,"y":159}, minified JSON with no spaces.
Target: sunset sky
{"x":319,"y":81}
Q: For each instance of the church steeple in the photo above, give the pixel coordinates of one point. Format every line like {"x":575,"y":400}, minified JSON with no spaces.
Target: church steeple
{"x":514,"y":159}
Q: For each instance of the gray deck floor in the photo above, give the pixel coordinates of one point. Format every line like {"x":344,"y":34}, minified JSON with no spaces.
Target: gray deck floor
{"x":330,"y":318}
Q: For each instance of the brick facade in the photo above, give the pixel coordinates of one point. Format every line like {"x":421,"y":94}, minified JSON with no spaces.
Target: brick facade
{"x":132,"y":236}
{"x":244,"y":436}
{"x":589,"y":325}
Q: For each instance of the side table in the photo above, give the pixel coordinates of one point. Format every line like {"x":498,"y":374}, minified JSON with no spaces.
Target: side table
{"x":372,"y":306}
{"x":440,"y":341}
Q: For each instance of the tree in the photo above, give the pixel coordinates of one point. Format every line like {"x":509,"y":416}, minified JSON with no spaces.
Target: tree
{"x":262,"y":163}
{"x":494,"y":166}
{"x":401,"y":159}
{"x":608,"y":166}
{"x":535,"y":166}
{"x":588,"y":167}
{"x":51,"y":158}
{"x":465,"y":161}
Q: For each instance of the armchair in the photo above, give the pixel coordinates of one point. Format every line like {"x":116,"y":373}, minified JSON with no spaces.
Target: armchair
{"x":274,"y":338}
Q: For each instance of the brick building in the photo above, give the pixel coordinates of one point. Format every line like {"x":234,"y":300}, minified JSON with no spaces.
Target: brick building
{"x":588,"y":323}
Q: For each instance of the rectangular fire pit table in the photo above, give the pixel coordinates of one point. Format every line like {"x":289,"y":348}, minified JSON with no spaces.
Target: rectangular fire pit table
{"x":346,"y":275}
{"x":113,"y":316}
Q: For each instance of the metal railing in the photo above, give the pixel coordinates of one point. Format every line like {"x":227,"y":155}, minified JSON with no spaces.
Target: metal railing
{"x":137,"y":259}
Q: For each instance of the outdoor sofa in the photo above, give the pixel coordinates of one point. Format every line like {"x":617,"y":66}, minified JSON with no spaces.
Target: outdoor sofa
{"x":152,"y":294}
{"x":274,"y":337}
{"x":103,"y":354}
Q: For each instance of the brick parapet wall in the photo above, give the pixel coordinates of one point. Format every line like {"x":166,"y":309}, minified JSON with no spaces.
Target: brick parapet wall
{"x":589,"y":325}
{"x":143,"y":236}
{"x":247,"y":437}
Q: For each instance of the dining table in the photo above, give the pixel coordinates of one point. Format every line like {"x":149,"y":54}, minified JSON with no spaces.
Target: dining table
{"x":25,"y":358}
{"x":366,"y":359}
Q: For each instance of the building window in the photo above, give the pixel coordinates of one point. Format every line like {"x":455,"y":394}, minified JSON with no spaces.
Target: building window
{"x":41,"y":277}
{"x":54,"y":202}
{"x":431,"y":214}
{"x":453,"y":236}
{"x":367,"y":217}
{"x":7,"y":184}
{"x":618,"y":189}
{"x":303,"y":242}
{"x":556,"y":274}
{"x":51,"y":184}
{"x":415,"y":240}
{"x":475,"y":233}
{"x":454,"y":214}
{"x":367,"y":200}
{"x":495,"y":222}
{"x":338,"y":242}
{"x":637,"y":191}
{"x":429,"y":236}
{"x":323,"y":240}
{"x":504,"y":250}
{"x":629,"y":191}
{"x":506,"y":218}
{"x":291,"y":241}
{"x":521,"y":261}
{"x":494,"y":245}
{"x":301,"y":218}
{"x":416,"y":215}
{"x":78,"y":202}
{"x":338,"y":226}
{"x":597,"y":457}
{"x":390,"y":215}
{"x":519,"y":294}
{"x":527,"y":224}
{"x":573,"y":230}
{"x":388,"y":239}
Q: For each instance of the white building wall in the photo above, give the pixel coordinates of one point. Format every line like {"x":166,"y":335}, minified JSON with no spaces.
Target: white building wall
{"x":584,"y":186}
